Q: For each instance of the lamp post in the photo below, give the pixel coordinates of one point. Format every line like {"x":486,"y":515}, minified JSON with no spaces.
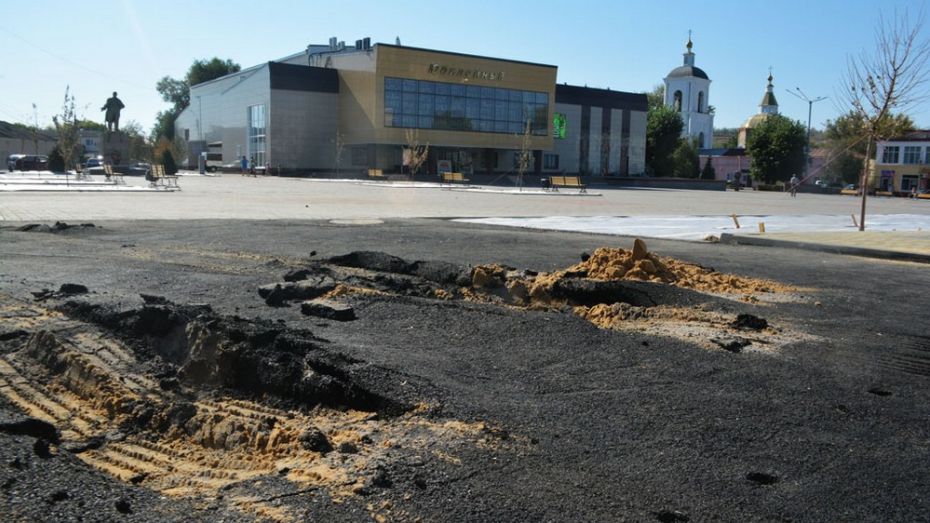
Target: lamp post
{"x":810,"y":105}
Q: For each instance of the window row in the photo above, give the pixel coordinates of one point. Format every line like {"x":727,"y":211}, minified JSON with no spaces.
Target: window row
{"x":913,"y":154}
{"x":436,"y":105}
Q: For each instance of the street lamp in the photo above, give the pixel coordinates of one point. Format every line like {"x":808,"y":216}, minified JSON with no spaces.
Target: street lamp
{"x":810,"y":104}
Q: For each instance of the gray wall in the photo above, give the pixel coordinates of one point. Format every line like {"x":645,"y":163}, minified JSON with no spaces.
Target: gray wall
{"x":221,"y":111}
{"x":304,"y":130}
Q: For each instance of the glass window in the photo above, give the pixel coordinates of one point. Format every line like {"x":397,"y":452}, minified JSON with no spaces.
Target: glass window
{"x":439,"y":105}
{"x":550,"y":161}
{"x":911,"y":154}
{"x":472,"y":108}
{"x":890,"y":154}
{"x":256,"y":139}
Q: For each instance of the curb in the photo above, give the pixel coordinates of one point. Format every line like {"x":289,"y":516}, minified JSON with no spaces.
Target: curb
{"x":734,"y":239}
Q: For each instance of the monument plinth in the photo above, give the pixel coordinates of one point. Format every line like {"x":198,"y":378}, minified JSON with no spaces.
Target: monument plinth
{"x":115,"y":147}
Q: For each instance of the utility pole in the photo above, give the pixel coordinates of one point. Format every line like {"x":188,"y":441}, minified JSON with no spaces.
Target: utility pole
{"x":810,"y":105}
{"x":35,"y":128}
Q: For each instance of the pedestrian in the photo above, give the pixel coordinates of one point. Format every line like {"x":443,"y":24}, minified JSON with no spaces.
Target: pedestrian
{"x":913,"y":192}
{"x":244,"y":165}
{"x":738,"y":180}
{"x":793,"y":185}
{"x":252,"y":166}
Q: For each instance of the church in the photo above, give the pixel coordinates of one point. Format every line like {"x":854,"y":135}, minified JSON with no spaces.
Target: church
{"x":687,"y":90}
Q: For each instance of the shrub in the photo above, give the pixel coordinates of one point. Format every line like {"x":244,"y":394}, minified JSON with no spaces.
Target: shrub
{"x":56,"y":162}
{"x":168,"y":161}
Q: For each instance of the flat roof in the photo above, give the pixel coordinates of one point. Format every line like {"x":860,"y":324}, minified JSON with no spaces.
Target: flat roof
{"x":578,"y":95}
{"x":450,"y":53}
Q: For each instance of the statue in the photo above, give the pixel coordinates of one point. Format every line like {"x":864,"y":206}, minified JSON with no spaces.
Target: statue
{"x":112,"y":107}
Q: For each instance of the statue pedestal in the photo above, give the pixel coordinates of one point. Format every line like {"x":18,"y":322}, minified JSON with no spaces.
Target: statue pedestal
{"x":115,"y":147}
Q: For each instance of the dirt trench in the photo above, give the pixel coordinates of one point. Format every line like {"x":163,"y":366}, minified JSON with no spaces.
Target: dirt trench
{"x":183,"y":401}
{"x":613,"y":288}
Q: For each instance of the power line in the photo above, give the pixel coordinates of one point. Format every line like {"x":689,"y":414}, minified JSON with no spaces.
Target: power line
{"x":75,"y":64}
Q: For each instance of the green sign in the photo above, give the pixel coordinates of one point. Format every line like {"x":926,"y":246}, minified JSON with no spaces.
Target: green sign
{"x":558,"y":125}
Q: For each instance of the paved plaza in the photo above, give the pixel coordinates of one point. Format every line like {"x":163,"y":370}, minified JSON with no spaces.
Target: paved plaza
{"x":236,"y":197}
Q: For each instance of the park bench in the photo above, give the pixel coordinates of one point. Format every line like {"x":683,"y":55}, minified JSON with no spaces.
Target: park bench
{"x":451,"y":178}
{"x":376,"y":173}
{"x":884,"y":193}
{"x":566,"y":181}
{"x":160,"y":179}
{"x":115,"y":176}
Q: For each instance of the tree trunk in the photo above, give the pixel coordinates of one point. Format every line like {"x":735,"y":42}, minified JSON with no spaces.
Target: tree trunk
{"x":865,"y":182}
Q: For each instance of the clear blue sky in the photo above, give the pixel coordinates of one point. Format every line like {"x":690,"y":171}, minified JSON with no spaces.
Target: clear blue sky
{"x":98,"y":46}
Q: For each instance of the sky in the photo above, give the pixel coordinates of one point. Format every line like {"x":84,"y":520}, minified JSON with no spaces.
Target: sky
{"x":98,"y":46}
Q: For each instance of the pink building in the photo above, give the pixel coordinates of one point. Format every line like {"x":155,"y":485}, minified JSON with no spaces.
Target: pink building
{"x":727,"y":162}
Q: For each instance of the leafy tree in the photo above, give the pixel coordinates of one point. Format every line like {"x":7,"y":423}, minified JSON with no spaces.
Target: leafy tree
{"x":843,"y":138}
{"x":663,"y":129}
{"x":777,"y":149}
{"x":686,"y":161}
{"x":178,"y":92}
{"x":90,"y":125}
{"x":708,"y":172}
{"x":139,"y":146}
{"x":656,"y":97}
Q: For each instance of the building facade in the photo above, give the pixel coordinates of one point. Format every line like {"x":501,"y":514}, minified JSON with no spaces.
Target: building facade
{"x":687,"y":90}
{"x":902,"y":164}
{"x":337,"y":107}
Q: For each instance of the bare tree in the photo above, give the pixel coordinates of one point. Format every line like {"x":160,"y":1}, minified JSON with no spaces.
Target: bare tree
{"x":893,"y":76}
{"x":66,"y":125}
{"x":523,"y":157}
{"x":415,"y":155}
{"x":340,"y":143}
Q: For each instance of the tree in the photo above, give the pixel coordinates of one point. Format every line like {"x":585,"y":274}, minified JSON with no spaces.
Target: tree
{"x":656,"y":97}
{"x":685,"y":160}
{"x":139,"y":146}
{"x":777,"y":149}
{"x":663,"y":129}
{"x":708,"y":172}
{"x":56,"y":162}
{"x":523,"y":157}
{"x":178,"y":92}
{"x":844,"y":139}
{"x":414,"y":153}
{"x":67,"y":129}
{"x":893,"y":77}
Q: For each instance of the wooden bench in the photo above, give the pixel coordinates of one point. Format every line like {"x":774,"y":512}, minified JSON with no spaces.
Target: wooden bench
{"x":566,"y":181}
{"x":451,"y":178}
{"x":117,"y":177}
{"x":884,"y":193}
{"x":160,"y":179}
{"x":376,"y":173}
{"x":924,"y":195}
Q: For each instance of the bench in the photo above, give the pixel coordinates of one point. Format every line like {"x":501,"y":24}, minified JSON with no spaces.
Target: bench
{"x":375,"y":173}
{"x":159,"y":178}
{"x":924,"y":195}
{"x":451,"y":178}
{"x":850,"y":192}
{"x":117,"y":177}
{"x":566,"y":181}
{"x":884,"y":193}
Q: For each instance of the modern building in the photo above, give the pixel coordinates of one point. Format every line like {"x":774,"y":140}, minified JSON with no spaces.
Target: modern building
{"x":687,"y":90}
{"x":902,"y":164}
{"x":767,"y":107}
{"x":355,"y":108}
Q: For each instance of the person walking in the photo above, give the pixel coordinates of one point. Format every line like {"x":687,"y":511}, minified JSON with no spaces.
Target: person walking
{"x":243,"y":165}
{"x":793,"y":185}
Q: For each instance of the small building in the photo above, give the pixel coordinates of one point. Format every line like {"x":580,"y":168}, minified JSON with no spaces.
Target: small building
{"x":355,"y":108}
{"x":15,"y":139}
{"x":727,"y":162}
{"x":902,"y":164}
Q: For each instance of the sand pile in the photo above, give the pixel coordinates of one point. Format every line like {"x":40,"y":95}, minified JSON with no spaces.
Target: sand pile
{"x":639,"y":264}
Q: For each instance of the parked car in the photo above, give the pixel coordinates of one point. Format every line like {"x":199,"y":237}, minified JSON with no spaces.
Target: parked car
{"x":31,"y":162}
{"x":138,"y":169}
{"x":852,"y":186}
{"x":11,"y":161}
{"x":93,"y":166}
